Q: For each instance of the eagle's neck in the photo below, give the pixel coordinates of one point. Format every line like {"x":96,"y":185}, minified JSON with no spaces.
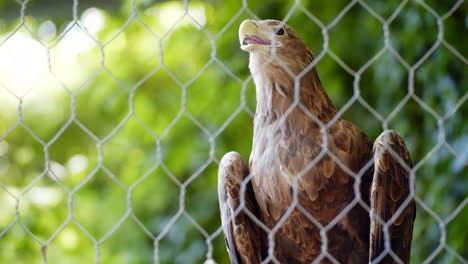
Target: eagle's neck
{"x":275,"y":92}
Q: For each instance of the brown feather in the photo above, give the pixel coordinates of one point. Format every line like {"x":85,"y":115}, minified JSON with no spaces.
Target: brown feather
{"x":244,"y":238}
{"x":390,"y":189}
{"x":288,"y":158}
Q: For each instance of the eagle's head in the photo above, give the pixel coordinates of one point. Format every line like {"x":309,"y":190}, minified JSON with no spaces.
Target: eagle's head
{"x":272,"y":38}
{"x":262,"y":36}
{"x":279,"y":62}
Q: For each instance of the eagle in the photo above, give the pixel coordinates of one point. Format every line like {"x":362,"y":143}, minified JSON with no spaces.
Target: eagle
{"x":316,"y":189}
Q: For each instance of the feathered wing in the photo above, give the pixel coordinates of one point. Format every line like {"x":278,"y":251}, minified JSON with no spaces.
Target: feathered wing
{"x":244,"y":238}
{"x":391,"y":200}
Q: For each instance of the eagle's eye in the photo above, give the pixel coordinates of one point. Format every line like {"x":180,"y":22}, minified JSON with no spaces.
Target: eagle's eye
{"x":280,"y":32}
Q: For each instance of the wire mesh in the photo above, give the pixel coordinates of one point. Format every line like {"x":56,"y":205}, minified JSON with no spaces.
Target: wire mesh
{"x":211,"y":135}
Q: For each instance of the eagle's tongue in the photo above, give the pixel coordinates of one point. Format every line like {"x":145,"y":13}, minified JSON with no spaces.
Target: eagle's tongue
{"x":254,"y":39}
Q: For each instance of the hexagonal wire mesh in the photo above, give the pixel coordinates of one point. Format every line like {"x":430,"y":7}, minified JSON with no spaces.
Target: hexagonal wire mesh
{"x":69,"y":191}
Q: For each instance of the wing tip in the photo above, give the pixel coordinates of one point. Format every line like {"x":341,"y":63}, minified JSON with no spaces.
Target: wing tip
{"x":229,"y":157}
{"x":388,"y":136}
{"x":393,"y":143}
{"x":233,"y":166}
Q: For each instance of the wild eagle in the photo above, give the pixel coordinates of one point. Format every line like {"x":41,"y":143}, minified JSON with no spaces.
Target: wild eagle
{"x":316,"y":189}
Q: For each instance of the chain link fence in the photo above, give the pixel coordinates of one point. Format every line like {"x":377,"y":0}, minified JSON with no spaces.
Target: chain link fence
{"x":113,"y":124}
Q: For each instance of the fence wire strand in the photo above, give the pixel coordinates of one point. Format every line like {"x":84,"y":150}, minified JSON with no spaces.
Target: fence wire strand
{"x":212,"y":136}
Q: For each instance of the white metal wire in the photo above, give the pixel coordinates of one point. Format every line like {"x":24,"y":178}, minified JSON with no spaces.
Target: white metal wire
{"x":214,"y":60}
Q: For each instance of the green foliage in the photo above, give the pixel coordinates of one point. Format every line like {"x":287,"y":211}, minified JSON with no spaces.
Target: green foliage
{"x":161,"y":100}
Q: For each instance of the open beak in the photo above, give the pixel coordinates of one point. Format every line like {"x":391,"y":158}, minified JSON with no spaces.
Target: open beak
{"x":252,"y":35}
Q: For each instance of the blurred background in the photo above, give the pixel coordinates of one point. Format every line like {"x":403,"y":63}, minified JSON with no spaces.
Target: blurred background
{"x":115,"y":114}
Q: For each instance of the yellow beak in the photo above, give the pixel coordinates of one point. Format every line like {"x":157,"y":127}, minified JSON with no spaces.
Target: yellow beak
{"x":252,"y":35}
